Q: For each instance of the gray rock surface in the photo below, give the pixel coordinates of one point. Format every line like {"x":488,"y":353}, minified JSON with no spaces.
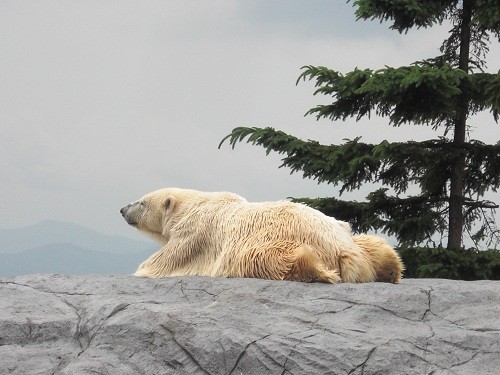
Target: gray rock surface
{"x":52,"y":324}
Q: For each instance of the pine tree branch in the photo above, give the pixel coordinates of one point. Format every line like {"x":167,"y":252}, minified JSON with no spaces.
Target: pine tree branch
{"x":397,"y":164}
{"x":420,"y":94}
{"x":467,"y":202}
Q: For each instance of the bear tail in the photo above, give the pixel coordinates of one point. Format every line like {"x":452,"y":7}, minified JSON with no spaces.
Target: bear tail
{"x":386,"y":261}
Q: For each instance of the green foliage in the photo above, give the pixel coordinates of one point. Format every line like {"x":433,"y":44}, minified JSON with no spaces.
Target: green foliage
{"x":404,"y":14}
{"x":471,"y":264}
{"x":488,"y":16}
{"x":484,"y":92}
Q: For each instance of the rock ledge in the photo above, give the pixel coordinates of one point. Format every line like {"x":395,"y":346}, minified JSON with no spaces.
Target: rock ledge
{"x":52,"y":324}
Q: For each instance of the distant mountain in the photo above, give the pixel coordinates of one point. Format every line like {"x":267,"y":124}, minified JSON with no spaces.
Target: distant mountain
{"x":57,"y":232}
{"x":59,"y":247}
{"x":69,"y":259}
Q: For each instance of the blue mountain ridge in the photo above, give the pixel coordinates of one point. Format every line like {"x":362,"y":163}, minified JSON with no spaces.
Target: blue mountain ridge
{"x":66,"y":248}
{"x":52,"y":231}
{"x":69,"y":259}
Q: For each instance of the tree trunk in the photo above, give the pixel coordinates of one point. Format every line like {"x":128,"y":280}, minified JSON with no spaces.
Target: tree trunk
{"x":456,"y":218}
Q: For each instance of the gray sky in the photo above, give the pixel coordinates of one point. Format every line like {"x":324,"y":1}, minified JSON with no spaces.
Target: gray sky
{"x":104,"y":101}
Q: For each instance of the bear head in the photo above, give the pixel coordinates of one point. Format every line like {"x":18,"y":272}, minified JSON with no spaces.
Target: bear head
{"x":151,"y":213}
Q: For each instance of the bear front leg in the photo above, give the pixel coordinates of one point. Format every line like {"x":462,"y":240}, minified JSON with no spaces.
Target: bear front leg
{"x":165,"y":262}
{"x":153,"y":267}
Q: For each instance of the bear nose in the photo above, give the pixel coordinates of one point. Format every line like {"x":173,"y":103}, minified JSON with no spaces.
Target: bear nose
{"x":124,"y":209}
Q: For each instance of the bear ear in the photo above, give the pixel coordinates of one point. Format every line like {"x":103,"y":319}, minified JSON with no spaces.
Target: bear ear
{"x":169,"y":203}
{"x":168,"y":206}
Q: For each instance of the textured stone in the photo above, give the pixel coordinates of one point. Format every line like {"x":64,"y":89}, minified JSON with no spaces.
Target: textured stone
{"x":52,"y":324}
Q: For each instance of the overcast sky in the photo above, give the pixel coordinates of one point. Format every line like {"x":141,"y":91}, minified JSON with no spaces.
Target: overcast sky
{"x":104,"y":101}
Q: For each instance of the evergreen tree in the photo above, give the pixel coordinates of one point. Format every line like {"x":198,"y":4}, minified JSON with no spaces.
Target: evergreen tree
{"x":451,"y":172}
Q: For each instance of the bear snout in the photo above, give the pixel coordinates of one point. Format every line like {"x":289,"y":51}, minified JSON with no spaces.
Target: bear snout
{"x":132,"y":212}
{"x":123,"y":210}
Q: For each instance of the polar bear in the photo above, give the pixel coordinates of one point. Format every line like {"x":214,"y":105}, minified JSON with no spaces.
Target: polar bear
{"x":222,"y":234}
